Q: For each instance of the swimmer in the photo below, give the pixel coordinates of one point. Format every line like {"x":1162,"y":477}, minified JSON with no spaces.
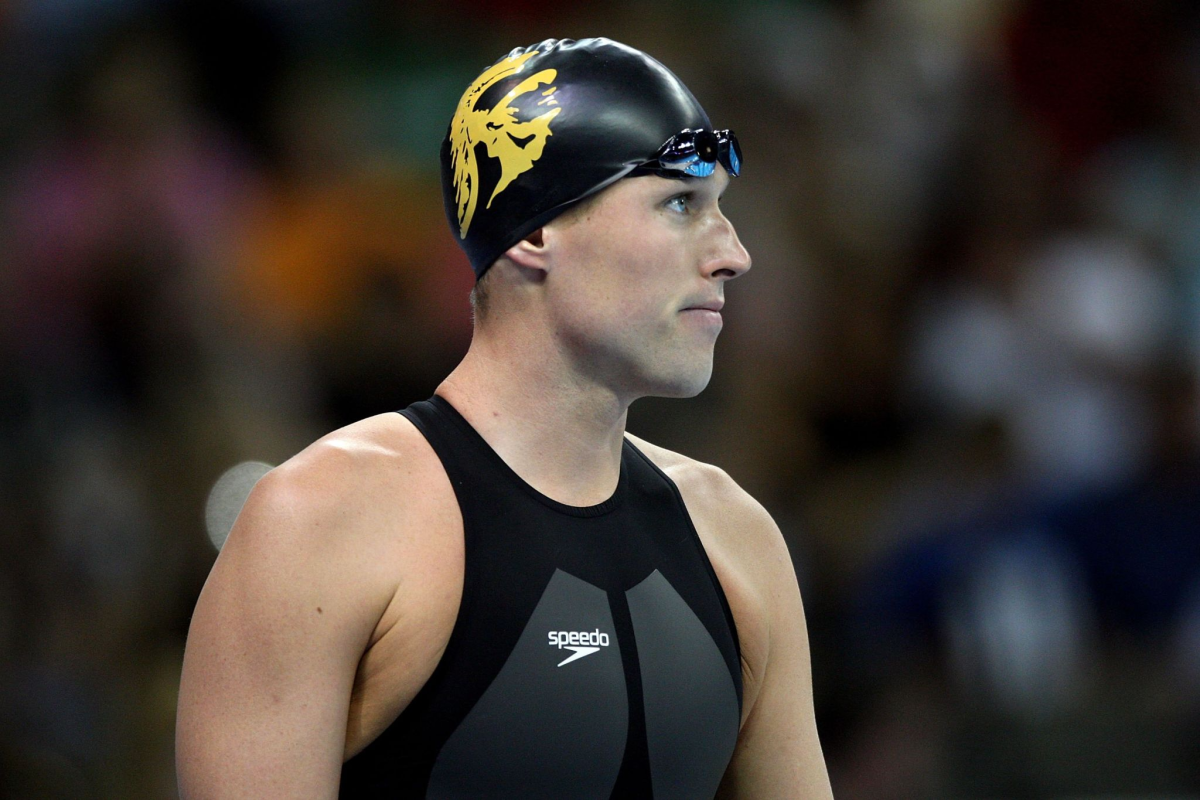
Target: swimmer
{"x":498,"y":592}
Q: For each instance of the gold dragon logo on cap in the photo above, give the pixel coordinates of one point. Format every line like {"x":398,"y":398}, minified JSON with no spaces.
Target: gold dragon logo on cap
{"x":516,"y":144}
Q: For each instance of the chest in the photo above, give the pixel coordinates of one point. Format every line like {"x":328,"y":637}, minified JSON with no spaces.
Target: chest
{"x":601,"y":653}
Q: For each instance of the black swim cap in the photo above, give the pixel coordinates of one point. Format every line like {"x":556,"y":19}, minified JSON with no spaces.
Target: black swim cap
{"x":547,"y":126}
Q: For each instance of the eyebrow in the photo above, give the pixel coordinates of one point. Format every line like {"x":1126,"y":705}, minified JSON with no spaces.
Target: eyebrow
{"x":692,"y":181}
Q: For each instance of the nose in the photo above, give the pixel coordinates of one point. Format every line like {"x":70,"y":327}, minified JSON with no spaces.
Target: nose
{"x":729,"y":258}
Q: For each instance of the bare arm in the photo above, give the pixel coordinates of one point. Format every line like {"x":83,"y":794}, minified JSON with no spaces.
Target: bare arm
{"x":274,"y":645}
{"x":778,"y":754}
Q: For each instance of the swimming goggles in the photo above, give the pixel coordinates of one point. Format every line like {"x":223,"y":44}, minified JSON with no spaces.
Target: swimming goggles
{"x":695,"y":153}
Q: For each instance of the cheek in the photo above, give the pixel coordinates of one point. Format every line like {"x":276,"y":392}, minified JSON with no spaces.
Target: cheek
{"x":622,"y":273}
{"x":611,"y":277}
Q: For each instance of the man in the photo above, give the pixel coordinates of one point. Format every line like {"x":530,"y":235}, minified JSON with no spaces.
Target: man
{"x":498,"y":592}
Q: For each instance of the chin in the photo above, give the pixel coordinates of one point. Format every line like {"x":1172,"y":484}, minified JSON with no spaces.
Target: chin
{"x":681,"y":386}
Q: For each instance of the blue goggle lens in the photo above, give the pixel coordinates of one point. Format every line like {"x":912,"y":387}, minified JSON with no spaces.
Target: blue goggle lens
{"x":690,"y":165}
{"x":696,"y":153}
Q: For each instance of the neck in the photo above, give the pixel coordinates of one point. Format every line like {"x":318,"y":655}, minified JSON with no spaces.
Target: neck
{"x":561,"y":432}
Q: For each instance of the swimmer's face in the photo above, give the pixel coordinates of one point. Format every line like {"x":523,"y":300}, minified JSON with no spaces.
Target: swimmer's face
{"x":630,"y":272}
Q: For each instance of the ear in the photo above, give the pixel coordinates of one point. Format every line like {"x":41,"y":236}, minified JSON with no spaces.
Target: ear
{"x":531,"y":252}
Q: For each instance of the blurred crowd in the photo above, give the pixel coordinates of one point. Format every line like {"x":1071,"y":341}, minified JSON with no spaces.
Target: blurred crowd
{"x":962,"y":374}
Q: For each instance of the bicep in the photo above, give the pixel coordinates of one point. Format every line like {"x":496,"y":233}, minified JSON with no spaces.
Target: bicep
{"x":778,"y":753}
{"x":269,"y":666}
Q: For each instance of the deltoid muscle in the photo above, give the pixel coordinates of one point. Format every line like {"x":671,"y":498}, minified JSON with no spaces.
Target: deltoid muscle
{"x":516,"y":144}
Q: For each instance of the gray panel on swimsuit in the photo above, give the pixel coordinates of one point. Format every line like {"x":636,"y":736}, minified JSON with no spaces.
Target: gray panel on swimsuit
{"x":691,"y":702}
{"x":541,"y":730}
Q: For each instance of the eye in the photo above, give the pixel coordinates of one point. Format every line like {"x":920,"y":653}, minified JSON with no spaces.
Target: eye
{"x":680,"y":202}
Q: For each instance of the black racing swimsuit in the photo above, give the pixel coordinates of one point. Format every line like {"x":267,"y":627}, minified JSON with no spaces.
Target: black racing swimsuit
{"x":594,"y":654}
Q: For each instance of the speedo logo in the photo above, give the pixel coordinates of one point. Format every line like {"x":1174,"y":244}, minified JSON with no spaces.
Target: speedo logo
{"x":584,"y":643}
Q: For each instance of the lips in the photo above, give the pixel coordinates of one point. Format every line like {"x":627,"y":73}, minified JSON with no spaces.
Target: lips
{"x":710,"y":305}
{"x":706,"y":313}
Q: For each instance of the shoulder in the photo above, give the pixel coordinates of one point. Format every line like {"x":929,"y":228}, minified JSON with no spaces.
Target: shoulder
{"x":351,"y":462}
{"x":351,"y":477}
{"x":347,"y":503}
{"x":746,"y":550}
{"x":715,"y":500}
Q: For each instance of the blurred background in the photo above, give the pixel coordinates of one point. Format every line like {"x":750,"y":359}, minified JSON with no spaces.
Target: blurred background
{"x":962,"y":374}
